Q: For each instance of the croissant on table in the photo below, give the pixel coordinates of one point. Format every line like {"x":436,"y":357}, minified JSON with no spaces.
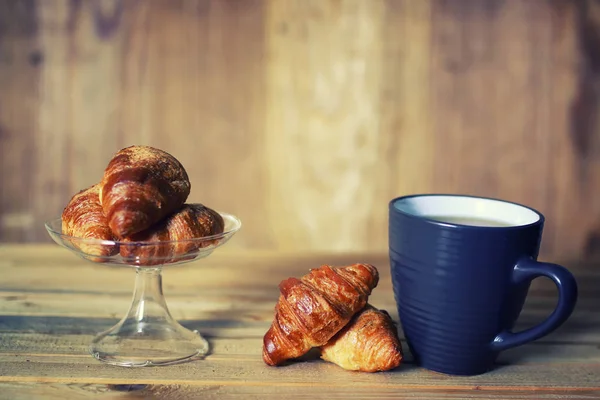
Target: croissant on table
{"x":83,"y":218}
{"x":311,"y":310}
{"x":141,"y":185}
{"x":369,"y":343}
{"x":192,"y":221}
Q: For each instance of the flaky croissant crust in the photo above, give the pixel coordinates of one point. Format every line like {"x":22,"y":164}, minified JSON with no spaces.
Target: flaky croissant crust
{"x":192,"y":221}
{"x":369,"y":343}
{"x":140,"y":186}
{"x":314,"y":308}
{"x":83,"y":218}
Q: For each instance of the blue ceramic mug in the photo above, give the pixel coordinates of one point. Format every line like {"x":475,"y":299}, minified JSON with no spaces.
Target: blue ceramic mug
{"x":461,"y":269}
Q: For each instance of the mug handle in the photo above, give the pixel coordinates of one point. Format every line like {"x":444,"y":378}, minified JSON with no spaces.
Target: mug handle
{"x":527,"y":270}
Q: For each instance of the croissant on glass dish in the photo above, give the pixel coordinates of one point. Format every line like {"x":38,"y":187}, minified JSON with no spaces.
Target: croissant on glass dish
{"x":83,"y":218}
{"x":311,"y":310}
{"x":369,"y":343}
{"x":141,"y":185}
{"x":192,"y":221}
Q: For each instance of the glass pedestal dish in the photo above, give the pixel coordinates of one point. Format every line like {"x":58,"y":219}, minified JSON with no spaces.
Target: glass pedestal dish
{"x":147,"y":335}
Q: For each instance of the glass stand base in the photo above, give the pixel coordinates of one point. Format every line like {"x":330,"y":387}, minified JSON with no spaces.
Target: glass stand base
{"x":145,"y":344}
{"x":148,"y":335}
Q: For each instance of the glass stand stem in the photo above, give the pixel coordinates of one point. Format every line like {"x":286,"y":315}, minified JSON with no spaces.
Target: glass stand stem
{"x":149,"y":305}
{"x":148,"y":335}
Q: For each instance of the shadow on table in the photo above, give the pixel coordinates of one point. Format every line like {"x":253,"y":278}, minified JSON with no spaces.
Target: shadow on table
{"x":55,"y":325}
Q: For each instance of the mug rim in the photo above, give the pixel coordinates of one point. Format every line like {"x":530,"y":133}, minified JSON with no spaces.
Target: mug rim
{"x":427,"y":219}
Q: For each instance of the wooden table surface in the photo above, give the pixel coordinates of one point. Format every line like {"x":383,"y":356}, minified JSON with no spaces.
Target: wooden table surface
{"x":52,"y":303}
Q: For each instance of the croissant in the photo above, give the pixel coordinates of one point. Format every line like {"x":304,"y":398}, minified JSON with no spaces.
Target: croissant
{"x":192,"y":221}
{"x":83,"y":218}
{"x":141,"y":185}
{"x":368,"y":343}
{"x":311,"y":310}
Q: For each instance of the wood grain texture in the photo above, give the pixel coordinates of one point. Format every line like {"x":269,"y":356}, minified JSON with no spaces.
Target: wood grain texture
{"x":490,"y":63}
{"x":59,"y":391}
{"x":565,"y":190}
{"x":52,"y":303}
{"x":306,"y":117}
{"x":20,"y":58}
{"x":322,"y":108}
{"x":406,"y":154}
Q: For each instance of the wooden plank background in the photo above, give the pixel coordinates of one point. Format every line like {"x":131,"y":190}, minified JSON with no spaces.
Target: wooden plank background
{"x":304,"y":117}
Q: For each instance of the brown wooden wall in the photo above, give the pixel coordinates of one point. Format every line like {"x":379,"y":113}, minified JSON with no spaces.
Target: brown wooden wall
{"x":306,"y":116}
